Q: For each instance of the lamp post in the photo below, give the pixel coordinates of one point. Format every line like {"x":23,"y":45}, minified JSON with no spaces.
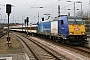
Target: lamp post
{"x":74,"y":6}
{"x":1,"y":17}
{"x":81,"y":6}
{"x":38,"y":12}
{"x":25,"y":24}
{"x":22,"y":23}
{"x":38,"y":17}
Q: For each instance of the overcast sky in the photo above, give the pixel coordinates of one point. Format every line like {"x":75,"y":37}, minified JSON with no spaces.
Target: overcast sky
{"x":28,"y":8}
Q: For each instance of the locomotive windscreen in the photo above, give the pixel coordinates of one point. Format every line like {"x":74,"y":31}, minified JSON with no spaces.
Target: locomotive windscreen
{"x":75,"y":21}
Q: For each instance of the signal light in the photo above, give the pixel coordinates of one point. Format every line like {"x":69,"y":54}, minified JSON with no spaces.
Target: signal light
{"x":8,"y":8}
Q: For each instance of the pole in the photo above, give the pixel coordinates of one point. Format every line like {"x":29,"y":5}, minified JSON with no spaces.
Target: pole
{"x":1,"y":15}
{"x":27,"y":29}
{"x":58,"y":10}
{"x":8,"y":38}
{"x":74,"y":8}
{"x":81,"y":8}
{"x":8,"y":11}
{"x":8,"y":25}
{"x":38,"y":17}
{"x":22,"y":23}
{"x":25,"y":25}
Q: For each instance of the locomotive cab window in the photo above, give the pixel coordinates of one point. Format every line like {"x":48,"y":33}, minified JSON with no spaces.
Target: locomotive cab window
{"x":75,"y":21}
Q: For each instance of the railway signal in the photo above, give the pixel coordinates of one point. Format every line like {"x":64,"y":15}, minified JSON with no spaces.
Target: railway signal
{"x":27,"y":20}
{"x":8,"y":8}
{"x":25,"y":24}
{"x":8,"y":11}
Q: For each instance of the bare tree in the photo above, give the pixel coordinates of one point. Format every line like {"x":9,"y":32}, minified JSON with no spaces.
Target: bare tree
{"x":86,"y":19}
{"x":79,"y":13}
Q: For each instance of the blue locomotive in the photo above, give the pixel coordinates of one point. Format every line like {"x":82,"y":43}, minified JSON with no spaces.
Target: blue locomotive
{"x":67,"y":29}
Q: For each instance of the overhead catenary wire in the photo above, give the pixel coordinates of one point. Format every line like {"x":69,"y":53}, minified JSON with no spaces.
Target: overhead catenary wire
{"x":29,"y":8}
{"x":23,"y":6}
{"x":35,"y":4}
{"x":62,"y":8}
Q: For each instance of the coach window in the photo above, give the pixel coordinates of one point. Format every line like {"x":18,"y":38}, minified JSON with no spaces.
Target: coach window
{"x":61,"y":22}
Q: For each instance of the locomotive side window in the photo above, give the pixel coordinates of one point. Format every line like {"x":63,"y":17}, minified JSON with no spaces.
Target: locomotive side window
{"x":61,"y":22}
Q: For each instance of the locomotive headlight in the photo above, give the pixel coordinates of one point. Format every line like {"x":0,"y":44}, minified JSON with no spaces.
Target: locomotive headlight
{"x":71,"y":33}
{"x":83,"y":33}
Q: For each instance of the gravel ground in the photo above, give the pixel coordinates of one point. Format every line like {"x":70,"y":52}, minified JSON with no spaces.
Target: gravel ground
{"x":15,"y":46}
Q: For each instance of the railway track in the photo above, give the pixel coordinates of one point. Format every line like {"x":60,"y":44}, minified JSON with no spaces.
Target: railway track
{"x":77,"y":50}
{"x":39,"y":51}
{"x":83,"y":51}
{"x":2,"y":34}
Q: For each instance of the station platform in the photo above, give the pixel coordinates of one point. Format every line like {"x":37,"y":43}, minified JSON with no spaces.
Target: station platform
{"x":20,"y":56}
{"x":15,"y":51}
